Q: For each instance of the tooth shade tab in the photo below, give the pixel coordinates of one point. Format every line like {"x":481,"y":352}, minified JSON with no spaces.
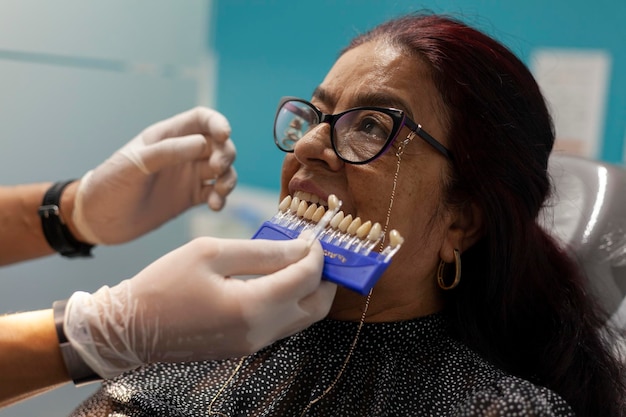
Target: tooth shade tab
{"x":333,"y":202}
{"x":395,"y":239}
{"x":375,"y":232}
{"x":343,"y":226}
{"x":308,"y":214}
{"x":301,"y":208}
{"x":338,"y":218}
{"x":319,"y":213}
{"x":295,"y":202}
{"x":284,"y":205}
{"x":364,"y":229}
{"x":354,"y":226}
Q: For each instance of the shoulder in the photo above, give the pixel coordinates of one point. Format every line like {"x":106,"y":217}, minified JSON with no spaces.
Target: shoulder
{"x":510,"y":396}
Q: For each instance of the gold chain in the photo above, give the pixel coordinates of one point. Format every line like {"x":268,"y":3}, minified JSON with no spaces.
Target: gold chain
{"x":345,"y":362}
{"x":395,"y":184}
{"x":323,"y":394}
{"x":217,"y":413}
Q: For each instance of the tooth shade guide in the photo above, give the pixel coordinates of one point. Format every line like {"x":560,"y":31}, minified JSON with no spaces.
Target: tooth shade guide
{"x":349,"y":256}
{"x":342,"y":230}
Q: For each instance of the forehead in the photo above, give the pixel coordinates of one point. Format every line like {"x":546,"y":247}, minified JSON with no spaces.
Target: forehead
{"x":379,"y":74}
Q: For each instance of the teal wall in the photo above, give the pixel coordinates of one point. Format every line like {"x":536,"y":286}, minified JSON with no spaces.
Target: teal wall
{"x":267,"y":49}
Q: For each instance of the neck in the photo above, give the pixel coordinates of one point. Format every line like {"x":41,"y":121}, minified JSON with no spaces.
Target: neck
{"x":386,"y":304}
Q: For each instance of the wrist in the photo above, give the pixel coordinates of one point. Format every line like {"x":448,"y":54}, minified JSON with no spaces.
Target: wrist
{"x":66,"y":208}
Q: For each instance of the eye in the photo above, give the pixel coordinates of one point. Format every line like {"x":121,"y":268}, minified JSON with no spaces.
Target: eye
{"x":373,"y":127}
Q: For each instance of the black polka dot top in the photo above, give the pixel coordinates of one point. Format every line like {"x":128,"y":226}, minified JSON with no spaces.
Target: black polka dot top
{"x":408,"y":368}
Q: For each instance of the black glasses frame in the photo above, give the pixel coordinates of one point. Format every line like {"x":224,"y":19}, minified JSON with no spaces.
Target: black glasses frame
{"x":400,"y":119}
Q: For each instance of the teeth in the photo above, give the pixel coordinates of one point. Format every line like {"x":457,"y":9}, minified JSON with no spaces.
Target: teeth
{"x":311,"y":198}
{"x":305,"y":210}
{"x":304,"y":196}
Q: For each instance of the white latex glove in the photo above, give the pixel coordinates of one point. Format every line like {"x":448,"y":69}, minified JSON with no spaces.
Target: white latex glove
{"x":171,"y":166}
{"x":184,"y":306}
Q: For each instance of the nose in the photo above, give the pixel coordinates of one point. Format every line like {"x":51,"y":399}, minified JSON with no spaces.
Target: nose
{"x":315,"y":148}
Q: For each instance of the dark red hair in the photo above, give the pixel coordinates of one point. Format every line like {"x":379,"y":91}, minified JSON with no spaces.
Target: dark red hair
{"x":523,"y":302}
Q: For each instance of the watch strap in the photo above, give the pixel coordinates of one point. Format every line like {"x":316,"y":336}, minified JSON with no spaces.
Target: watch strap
{"x":76,"y":367}
{"x":56,"y":232}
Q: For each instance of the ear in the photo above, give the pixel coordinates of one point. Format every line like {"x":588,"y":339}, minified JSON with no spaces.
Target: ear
{"x":464,"y":230}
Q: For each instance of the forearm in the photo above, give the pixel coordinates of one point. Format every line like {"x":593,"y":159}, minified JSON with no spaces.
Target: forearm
{"x":30,"y":358}
{"x":21,"y":234}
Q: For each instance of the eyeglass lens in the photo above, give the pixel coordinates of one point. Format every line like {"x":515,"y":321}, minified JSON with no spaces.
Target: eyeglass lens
{"x":358,"y":134}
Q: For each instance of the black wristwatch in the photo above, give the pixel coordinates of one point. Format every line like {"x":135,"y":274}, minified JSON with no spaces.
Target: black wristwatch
{"x":56,"y":232}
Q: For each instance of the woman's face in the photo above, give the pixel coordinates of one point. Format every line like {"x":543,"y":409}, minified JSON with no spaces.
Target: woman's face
{"x":376,"y":74}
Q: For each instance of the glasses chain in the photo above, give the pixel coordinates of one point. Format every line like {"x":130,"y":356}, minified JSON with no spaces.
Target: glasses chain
{"x":323,"y":394}
{"x":361,"y":321}
{"x":345,"y":362}
{"x":393,"y":187}
{"x":217,"y":413}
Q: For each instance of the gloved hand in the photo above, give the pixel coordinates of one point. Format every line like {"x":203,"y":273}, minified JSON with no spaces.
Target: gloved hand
{"x":185,"y":306}
{"x":171,"y":166}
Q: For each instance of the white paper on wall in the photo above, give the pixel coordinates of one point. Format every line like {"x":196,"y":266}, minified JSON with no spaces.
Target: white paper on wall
{"x":575,"y":83}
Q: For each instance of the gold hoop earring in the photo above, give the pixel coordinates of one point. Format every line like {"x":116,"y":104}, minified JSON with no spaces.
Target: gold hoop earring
{"x":457,"y":273}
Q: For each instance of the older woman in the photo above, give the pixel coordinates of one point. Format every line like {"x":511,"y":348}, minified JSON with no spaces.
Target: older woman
{"x":434,"y":129}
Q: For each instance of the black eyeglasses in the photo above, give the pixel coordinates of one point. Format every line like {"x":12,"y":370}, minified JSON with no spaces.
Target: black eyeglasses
{"x":358,"y":135}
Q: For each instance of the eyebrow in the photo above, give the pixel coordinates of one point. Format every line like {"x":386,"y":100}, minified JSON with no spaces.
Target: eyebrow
{"x":322,"y":95}
{"x":374,"y":99}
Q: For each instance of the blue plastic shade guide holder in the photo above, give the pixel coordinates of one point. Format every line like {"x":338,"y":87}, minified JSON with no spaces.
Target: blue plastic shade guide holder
{"x":355,"y":271}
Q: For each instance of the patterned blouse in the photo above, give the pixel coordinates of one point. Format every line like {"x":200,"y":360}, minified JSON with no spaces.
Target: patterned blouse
{"x":406,"y":368}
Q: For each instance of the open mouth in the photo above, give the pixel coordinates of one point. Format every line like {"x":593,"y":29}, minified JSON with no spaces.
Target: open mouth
{"x":310,"y":198}
{"x":310,"y":207}
{"x":349,"y":244}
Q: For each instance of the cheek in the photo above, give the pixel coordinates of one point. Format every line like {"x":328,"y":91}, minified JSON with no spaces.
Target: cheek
{"x":369,"y":191}
{"x":416,"y":206}
{"x":290,"y":167}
